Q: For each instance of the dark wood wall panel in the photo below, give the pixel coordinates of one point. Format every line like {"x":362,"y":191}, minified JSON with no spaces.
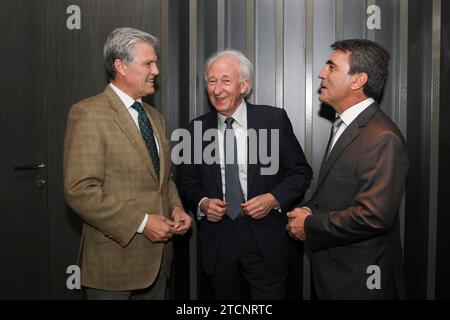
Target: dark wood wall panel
{"x":443,"y":236}
{"x":23,"y":206}
{"x":417,"y":186}
{"x":178,"y":117}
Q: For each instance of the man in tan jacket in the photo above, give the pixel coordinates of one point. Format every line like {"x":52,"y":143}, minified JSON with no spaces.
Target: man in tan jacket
{"x":117,"y":177}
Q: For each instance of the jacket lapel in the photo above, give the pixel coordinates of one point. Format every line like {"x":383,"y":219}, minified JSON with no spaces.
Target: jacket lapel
{"x":350,"y":133}
{"x":125,"y":122}
{"x":252,"y":123}
{"x":212,"y":122}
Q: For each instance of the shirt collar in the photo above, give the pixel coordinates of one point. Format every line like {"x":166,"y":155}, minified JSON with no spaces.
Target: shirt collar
{"x":239,"y":116}
{"x":353,"y":112}
{"x":126,"y":99}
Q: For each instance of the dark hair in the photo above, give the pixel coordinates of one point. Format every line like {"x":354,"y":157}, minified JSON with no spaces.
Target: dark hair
{"x":119,"y":45}
{"x":368,"y":57}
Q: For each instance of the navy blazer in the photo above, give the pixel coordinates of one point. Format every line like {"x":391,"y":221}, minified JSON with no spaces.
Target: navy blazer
{"x":288,"y":186}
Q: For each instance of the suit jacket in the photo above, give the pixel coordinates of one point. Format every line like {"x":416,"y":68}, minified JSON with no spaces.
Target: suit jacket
{"x":110,"y":182}
{"x":355,"y":221}
{"x":287,"y":186}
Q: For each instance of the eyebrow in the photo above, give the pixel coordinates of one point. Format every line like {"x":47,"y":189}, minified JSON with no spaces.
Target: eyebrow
{"x":223,"y":77}
{"x":150,"y":61}
{"x":330,"y":62}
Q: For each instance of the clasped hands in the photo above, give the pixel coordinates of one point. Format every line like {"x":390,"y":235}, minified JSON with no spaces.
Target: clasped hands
{"x":256,"y":208}
{"x":162,"y":229}
{"x":296,"y":224}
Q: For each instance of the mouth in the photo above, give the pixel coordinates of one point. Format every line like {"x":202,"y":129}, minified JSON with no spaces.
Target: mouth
{"x":220,"y":99}
{"x":152,"y":81}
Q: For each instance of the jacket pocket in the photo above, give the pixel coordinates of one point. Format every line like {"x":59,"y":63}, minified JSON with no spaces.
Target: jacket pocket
{"x":352,"y":253}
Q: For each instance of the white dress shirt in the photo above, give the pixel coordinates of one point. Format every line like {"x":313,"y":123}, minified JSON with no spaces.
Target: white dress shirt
{"x":240,"y":131}
{"x":128,"y":102}
{"x":349,"y":115}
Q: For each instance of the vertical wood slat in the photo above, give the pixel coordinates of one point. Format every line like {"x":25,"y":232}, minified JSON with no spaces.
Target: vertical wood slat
{"x":339,"y":20}
{"x":308,"y":126}
{"x":434,"y":149}
{"x":221,"y":25}
{"x":251,"y":42}
{"x":279,"y":53}
{"x":402,"y":107}
{"x":193,"y":112}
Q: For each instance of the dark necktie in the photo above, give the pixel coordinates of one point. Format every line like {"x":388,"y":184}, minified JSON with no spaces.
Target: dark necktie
{"x":233,"y":191}
{"x":147,"y":133}
{"x":334,"y":129}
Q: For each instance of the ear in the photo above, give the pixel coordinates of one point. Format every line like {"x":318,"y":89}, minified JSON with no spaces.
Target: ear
{"x":244,"y":85}
{"x":359,"y":80}
{"x":120,"y":67}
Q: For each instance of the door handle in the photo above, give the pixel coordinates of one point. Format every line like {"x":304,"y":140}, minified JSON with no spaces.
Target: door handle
{"x":35,"y":167}
{"x":40,"y":183}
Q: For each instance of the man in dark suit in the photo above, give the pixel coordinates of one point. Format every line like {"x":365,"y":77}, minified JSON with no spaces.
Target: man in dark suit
{"x":240,"y":206}
{"x":352,"y":223}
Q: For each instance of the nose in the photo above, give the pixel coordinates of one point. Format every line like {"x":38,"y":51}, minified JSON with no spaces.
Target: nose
{"x":321,"y":74}
{"x":218,"y":88}
{"x":155,"y":69}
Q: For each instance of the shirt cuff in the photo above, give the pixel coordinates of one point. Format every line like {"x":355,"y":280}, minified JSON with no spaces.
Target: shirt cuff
{"x":200,"y":213}
{"x":277,"y":207}
{"x":142,"y":226}
{"x":307,"y":209}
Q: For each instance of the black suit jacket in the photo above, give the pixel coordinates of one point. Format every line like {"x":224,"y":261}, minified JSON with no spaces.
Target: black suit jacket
{"x":355,"y":221}
{"x":288,"y":186}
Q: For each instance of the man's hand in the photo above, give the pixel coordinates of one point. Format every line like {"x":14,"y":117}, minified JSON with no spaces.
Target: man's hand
{"x":182,"y":221}
{"x":296,"y":225}
{"x":159,"y":228}
{"x":214,"y":209}
{"x":259,"y":206}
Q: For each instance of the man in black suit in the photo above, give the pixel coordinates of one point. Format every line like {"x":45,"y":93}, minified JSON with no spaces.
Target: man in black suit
{"x":241,"y":206}
{"x":352,"y":223}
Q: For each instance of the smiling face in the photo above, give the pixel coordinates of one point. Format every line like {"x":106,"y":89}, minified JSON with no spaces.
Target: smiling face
{"x":136,"y":78}
{"x":224,"y":85}
{"x":338,"y":88}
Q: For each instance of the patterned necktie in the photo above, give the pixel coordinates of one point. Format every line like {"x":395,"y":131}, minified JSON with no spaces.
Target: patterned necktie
{"x":334,"y":129}
{"x":233,"y":191}
{"x":147,"y":133}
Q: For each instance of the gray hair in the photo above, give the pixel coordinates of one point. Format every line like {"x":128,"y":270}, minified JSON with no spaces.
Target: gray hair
{"x":119,"y":45}
{"x":369,"y":57}
{"x":245,"y":66}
